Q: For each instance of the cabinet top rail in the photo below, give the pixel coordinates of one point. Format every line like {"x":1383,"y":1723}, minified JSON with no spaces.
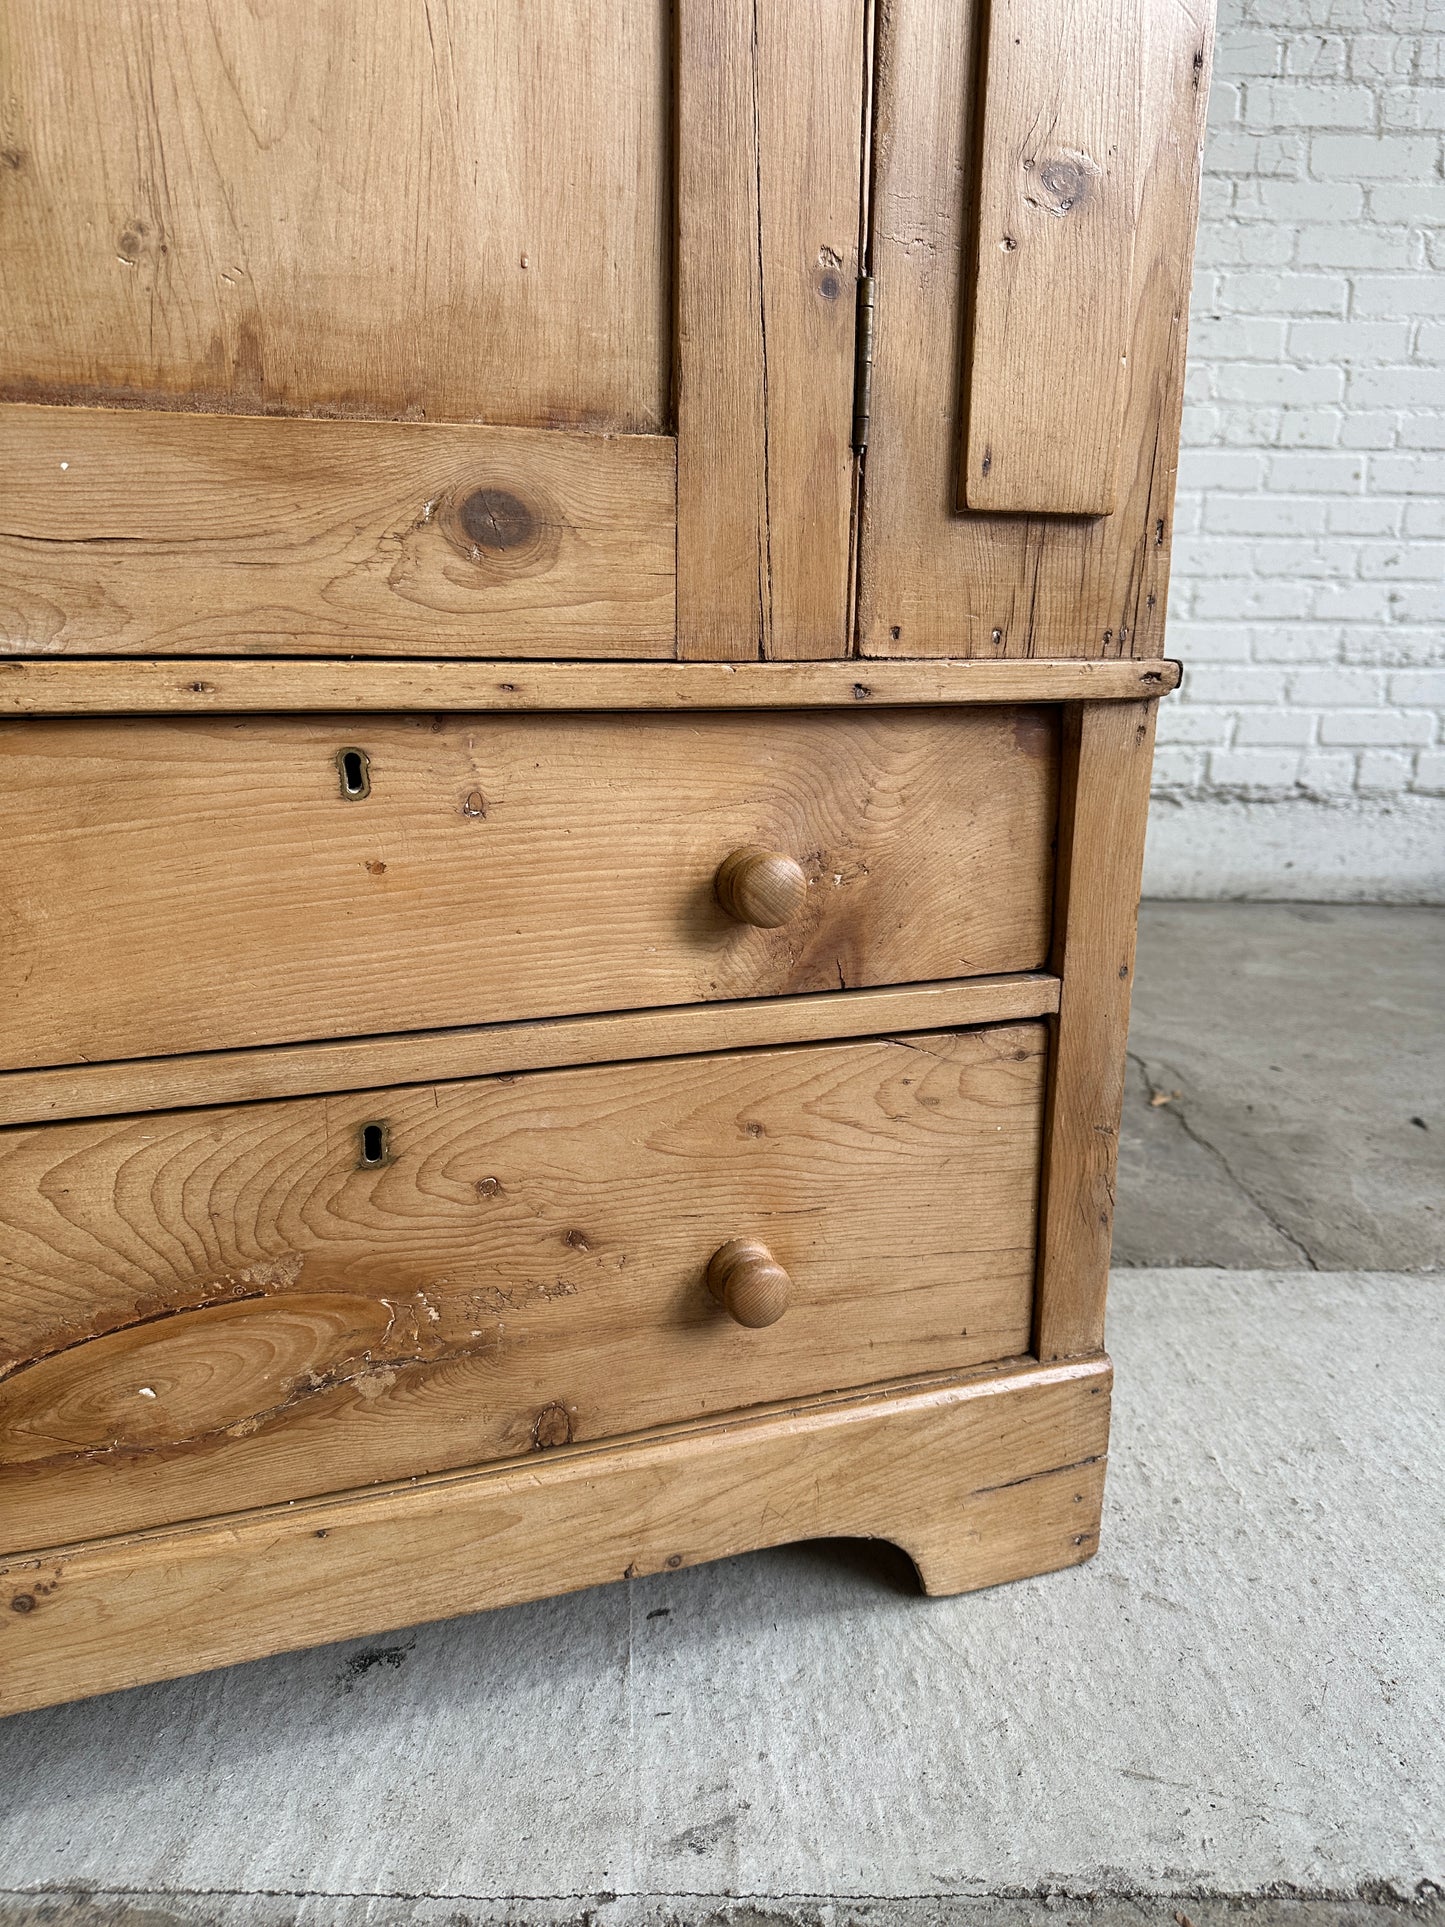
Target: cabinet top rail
{"x":76,"y":687}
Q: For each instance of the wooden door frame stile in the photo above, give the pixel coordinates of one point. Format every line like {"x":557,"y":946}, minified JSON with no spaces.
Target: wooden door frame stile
{"x":766,"y":265}
{"x":1103,"y":809}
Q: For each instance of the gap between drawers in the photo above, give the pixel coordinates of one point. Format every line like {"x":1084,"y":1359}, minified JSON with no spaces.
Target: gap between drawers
{"x":263,"y":1073}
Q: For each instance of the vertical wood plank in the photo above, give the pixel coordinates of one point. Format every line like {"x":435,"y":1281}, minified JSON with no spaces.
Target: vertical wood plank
{"x":724,"y":608}
{"x":934,"y":581}
{"x":811,"y":93}
{"x":1108,"y":750}
{"x":770,"y":116}
{"x":1053,"y":256}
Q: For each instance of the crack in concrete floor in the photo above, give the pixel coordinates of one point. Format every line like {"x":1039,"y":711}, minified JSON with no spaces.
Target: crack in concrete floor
{"x":1308,"y":1041}
{"x":1162,"y":1084}
{"x":229,"y":1907}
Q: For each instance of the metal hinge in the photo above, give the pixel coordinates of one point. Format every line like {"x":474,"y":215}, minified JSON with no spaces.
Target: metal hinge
{"x":863,"y":365}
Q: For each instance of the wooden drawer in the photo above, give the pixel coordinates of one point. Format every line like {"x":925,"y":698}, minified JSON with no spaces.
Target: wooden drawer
{"x":213,"y":1309}
{"x":205,"y":884}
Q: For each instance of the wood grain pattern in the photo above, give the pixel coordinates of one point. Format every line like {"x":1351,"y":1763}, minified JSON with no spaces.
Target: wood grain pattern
{"x":1053,"y":252}
{"x":420,"y":1057}
{"x":980,"y":1480}
{"x":217,"y":1309}
{"x":321,"y":208}
{"x":499,"y":868}
{"x":131,"y":688}
{"x":934,"y":581}
{"x":1103,"y":812}
{"x":155,"y":534}
{"x":770,"y":116}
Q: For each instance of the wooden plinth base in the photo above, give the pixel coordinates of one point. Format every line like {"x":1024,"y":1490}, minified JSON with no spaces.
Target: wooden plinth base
{"x":980,"y":1479}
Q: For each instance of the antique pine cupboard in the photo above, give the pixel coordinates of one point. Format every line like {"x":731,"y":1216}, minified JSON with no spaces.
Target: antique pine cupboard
{"x":581,"y":596}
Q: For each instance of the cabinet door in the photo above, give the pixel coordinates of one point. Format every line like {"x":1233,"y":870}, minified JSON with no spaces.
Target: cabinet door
{"x":1035,"y":192}
{"x":429,"y":327}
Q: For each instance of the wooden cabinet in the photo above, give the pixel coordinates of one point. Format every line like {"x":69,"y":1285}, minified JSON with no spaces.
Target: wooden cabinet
{"x":581,"y":608}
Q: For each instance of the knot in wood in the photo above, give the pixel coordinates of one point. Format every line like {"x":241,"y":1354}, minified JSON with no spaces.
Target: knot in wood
{"x":499,"y":532}
{"x":496,"y":519}
{"x":552,"y":1426}
{"x":1064,"y":184}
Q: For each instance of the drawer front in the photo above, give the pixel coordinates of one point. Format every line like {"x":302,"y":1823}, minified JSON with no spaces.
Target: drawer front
{"x":178,"y":886}
{"x":207,"y":1310}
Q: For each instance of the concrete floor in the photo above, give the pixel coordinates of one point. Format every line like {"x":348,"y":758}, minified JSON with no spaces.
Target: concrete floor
{"x":1233,"y":1713}
{"x":1299,"y":1053}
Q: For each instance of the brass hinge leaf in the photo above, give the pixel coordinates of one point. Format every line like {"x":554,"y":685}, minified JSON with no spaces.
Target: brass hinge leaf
{"x":863,"y":365}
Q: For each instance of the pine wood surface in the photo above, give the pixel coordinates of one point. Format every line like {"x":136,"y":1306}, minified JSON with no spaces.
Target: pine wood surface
{"x":141,"y":533}
{"x":418,"y":1057}
{"x":980,"y":1480}
{"x":1053,"y":253}
{"x":210,"y":1310}
{"x":498,"y":868}
{"x":322,"y":208}
{"x":59,"y":688}
{"x":1103,"y":813}
{"x":770,"y":97}
{"x":934,"y":581}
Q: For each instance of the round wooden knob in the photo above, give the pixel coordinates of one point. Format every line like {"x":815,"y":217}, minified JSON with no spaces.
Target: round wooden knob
{"x":761,"y":887}
{"x":749,"y":1283}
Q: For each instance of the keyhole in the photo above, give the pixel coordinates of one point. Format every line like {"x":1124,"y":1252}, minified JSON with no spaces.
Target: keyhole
{"x":355,"y":768}
{"x":373,"y":1143}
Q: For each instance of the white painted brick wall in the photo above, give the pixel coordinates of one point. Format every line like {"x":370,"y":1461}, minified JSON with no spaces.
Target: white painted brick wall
{"x":1309,"y":567}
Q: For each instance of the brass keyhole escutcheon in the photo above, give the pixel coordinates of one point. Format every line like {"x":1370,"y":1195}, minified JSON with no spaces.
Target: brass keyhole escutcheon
{"x":353,"y":766}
